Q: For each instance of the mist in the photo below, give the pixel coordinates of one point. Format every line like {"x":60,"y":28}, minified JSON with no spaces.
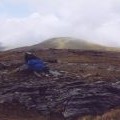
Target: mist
{"x":26,"y":22}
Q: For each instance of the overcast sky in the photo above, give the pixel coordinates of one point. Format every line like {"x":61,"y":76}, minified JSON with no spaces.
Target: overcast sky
{"x":27,"y":22}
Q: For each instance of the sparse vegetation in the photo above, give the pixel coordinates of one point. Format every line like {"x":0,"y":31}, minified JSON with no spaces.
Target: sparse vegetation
{"x":111,"y":115}
{"x":98,"y":66}
{"x":68,"y":43}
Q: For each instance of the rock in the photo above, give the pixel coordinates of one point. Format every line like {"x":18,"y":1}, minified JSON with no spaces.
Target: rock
{"x":52,"y":61}
{"x":54,"y":73}
{"x":3,"y":66}
{"x":71,"y":99}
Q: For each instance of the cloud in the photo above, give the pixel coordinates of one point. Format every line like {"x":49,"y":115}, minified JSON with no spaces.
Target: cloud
{"x":2,"y":47}
{"x":94,"y":20}
{"x":17,"y":32}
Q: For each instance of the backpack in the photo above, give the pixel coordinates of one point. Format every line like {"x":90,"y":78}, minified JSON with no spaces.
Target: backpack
{"x":36,"y":65}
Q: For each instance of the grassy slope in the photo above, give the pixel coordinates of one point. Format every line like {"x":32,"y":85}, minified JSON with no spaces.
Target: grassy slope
{"x":71,"y":43}
{"x":66,"y":43}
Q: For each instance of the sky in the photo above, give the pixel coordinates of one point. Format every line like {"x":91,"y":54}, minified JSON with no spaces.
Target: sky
{"x":28,"y":22}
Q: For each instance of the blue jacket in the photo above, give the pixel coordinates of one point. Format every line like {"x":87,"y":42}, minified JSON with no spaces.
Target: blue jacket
{"x":36,"y":65}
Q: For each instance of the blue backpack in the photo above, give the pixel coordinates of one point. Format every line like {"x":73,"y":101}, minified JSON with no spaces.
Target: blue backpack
{"x":36,"y":65}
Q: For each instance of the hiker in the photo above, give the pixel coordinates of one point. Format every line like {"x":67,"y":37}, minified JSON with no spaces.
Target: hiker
{"x":35,"y":64}
{"x":38,"y":67}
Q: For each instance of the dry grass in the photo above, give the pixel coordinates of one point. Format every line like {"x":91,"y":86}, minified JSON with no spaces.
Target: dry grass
{"x":111,"y":115}
{"x":72,"y":63}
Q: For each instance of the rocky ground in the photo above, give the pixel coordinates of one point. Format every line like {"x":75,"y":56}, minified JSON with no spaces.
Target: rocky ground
{"x":88,"y":84}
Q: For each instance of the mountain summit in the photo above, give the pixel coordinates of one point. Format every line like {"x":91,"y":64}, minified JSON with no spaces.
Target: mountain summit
{"x":71,"y":43}
{"x":68,"y":43}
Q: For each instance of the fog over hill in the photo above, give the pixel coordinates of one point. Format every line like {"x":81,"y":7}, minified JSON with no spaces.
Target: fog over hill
{"x":2,"y":48}
{"x":68,"y":43}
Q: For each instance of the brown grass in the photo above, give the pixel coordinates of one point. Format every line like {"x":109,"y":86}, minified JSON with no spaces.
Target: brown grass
{"x":72,"y":63}
{"x":111,"y":115}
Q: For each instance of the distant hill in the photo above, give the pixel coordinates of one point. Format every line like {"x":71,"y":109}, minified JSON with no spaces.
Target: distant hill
{"x":69,"y":43}
{"x":1,"y":47}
